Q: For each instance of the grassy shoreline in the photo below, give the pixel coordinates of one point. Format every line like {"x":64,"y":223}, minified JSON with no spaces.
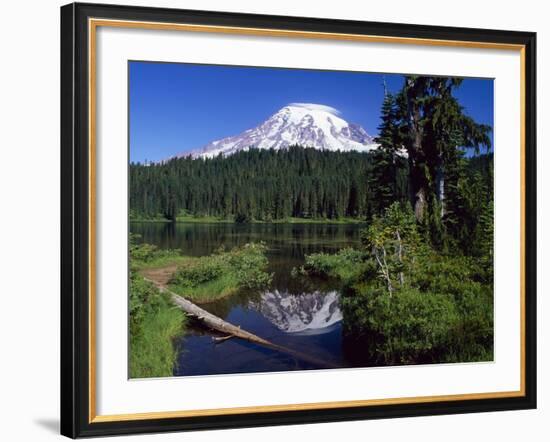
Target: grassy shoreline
{"x":154,"y":322}
{"x":214,"y":220}
{"x":154,"y":325}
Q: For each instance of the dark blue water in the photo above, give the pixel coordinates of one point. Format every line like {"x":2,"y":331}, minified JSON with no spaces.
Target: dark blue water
{"x":302,"y":314}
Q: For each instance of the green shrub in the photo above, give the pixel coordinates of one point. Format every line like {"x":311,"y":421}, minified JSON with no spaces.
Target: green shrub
{"x":202,"y":271}
{"x":348,"y":264}
{"x":466,"y":280}
{"x":475,"y":335}
{"x":408,"y":327}
{"x":149,"y":255}
{"x":443,"y":314}
{"x":449,"y":274}
{"x":249,"y":264}
{"x":223,"y":273}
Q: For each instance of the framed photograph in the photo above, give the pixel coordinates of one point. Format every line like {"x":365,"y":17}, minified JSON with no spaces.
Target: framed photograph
{"x":279,"y":220}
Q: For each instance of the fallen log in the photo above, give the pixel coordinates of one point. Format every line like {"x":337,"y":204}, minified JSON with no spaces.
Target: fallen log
{"x":218,"y":324}
{"x":213,"y":321}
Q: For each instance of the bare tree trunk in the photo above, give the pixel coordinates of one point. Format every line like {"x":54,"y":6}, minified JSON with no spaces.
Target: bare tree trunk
{"x":440,"y":185}
{"x":384,"y":268}
{"x":400,"y":256}
{"x":416,"y":186}
{"x":420,"y":204}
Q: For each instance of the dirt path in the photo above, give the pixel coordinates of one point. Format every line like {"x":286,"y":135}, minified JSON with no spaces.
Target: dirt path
{"x":160,"y":276}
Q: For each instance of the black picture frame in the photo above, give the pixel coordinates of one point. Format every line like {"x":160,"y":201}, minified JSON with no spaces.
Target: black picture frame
{"x":75,"y":221}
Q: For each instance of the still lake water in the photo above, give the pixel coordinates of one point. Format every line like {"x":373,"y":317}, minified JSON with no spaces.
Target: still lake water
{"x":302,"y":314}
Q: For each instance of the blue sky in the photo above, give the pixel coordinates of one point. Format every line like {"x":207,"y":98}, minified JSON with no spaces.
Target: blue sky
{"x":176,"y":107}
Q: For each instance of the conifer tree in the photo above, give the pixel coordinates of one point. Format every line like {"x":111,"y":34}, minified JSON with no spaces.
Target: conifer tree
{"x":436,"y":129}
{"x":386,"y":161}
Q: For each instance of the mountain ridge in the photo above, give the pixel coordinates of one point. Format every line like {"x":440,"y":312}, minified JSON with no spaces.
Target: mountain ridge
{"x":307,"y":124}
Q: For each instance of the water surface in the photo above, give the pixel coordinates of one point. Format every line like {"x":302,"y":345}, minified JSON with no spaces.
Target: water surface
{"x":302,"y":314}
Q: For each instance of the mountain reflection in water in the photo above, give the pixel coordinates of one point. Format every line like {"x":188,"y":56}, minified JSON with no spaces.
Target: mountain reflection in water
{"x":315,"y":311}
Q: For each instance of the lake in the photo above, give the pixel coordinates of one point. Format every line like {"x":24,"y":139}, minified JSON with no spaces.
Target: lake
{"x":299,"y":313}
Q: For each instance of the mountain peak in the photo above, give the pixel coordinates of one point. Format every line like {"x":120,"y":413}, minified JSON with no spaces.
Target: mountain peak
{"x":306,"y":124}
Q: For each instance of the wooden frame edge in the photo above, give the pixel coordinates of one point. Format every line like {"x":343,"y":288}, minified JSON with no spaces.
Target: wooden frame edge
{"x":275,"y":32}
{"x":304,"y":407}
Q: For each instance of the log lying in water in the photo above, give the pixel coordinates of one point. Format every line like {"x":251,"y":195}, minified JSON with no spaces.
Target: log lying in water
{"x":222,"y":326}
{"x":214,"y":322}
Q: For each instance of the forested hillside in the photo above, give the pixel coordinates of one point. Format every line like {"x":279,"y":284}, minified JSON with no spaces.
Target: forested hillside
{"x":261,"y":185}
{"x":268,"y":185}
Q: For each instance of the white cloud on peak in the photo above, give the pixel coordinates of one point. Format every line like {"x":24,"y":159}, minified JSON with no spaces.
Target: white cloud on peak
{"x":317,"y":107}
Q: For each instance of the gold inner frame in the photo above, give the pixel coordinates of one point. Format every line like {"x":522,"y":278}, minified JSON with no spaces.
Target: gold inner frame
{"x":93,"y":24}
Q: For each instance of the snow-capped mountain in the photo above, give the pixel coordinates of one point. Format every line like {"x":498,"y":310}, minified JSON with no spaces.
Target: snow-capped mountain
{"x":298,"y":313}
{"x":304,"y":124}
